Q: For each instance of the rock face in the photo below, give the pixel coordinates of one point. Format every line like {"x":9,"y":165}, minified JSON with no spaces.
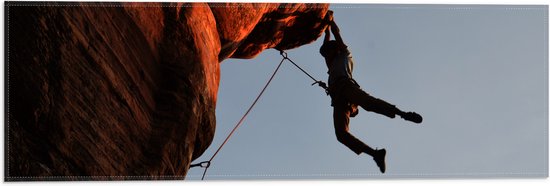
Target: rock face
{"x":101,"y":91}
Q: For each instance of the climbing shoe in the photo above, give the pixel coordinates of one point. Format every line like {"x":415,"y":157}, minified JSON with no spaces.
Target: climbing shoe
{"x":379,"y":157}
{"x":412,"y":116}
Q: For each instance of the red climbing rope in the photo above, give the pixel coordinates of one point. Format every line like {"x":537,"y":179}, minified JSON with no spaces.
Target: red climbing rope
{"x":206,"y":164}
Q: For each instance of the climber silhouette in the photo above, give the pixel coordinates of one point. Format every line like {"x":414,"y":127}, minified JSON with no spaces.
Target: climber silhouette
{"x":346,"y":95}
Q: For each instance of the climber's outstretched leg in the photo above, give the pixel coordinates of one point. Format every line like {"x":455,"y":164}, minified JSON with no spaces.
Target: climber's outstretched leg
{"x":354,"y":94}
{"x":341,"y":127}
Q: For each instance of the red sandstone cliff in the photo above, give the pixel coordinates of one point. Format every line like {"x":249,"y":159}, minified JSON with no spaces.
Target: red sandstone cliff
{"x":127,"y":90}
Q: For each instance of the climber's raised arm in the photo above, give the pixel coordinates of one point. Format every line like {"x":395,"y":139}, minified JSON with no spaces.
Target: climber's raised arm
{"x":327,"y":35}
{"x":336,"y":32}
{"x":328,"y":20}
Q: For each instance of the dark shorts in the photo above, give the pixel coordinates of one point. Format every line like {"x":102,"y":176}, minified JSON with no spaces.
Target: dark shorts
{"x":338,"y":100}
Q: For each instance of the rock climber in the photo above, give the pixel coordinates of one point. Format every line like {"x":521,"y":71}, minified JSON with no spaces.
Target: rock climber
{"x":346,"y":95}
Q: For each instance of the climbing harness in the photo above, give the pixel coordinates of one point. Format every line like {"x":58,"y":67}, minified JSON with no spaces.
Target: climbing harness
{"x":206,"y":164}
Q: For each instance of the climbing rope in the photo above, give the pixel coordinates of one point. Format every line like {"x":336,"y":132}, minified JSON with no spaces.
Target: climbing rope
{"x":206,"y":164}
{"x":321,"y":84}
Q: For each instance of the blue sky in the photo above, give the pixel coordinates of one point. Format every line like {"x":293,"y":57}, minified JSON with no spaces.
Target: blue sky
{"x":478,"y":75}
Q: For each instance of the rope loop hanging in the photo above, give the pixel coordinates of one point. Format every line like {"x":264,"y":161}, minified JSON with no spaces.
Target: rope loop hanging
{"x":204,"y":164}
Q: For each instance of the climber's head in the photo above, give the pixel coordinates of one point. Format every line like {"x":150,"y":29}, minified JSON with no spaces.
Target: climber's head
{"x":328,"y":49}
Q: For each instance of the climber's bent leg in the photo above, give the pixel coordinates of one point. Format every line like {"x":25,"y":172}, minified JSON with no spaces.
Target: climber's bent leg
{"x":354,"y":94}
{"x":341,"y":127}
